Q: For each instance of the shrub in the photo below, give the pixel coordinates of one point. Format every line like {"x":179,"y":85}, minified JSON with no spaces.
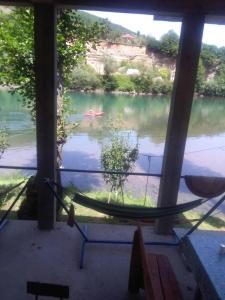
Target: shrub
{"x":117,"y":155}
{"x":110,"y":65}
{"x":212,"y":88}
{"x":164,"y":73}
{"x":84,"y":77}
{"x":162,"y":87}
{"x":142,"y":83}
{"x":124,"y":83}
{"x":109,"y":83}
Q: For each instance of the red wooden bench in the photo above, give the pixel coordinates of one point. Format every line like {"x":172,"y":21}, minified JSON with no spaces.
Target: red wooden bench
{"x":151,"y":272}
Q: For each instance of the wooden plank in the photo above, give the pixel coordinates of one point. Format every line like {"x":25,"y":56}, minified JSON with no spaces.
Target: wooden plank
{"x":45,"y":69}
{"x":136,"y":270}
{"x":169,"y":282}
{"x":180,"y":110}
{"x":144,"y":263}
{"x":154,"y":285}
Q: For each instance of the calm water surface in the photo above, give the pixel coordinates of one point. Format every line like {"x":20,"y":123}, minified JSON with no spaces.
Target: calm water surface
{"x":144,"y":118}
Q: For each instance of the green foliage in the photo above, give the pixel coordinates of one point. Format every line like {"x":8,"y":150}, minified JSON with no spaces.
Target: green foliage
{"x":84,"y":77}
{"x":124,"y":82}
{"x":3,"y":141}
{"x":209,"y":55}
{"x":110,"y":65}
{"x":164,"y":73}
{"x":152,"y":44}
{"x":109,"y":83}
{"x":16,"y":53}
{"x":113,"y":31}
{"x":6,"y":184}
{"x":168,"y":44}
{"x":212,"y":88}
{"x":17,"y":57}
{"x":220,"y":74}
{"x":117,"y":155}
{"x":142,"y":83}
{"x":200,"y":75}
{"x":16,"y":49}
{"x":161,"y":87}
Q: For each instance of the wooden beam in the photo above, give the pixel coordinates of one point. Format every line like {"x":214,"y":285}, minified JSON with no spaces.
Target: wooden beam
{"x":45,"y":68}
{"x":180,"y":110}
{"x":207,"y":7}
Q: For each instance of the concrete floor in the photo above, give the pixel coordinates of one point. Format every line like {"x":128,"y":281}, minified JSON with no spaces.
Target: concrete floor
{"x":28,"y":254}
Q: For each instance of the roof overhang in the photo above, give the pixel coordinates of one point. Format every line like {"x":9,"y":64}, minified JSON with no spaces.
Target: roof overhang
{"x":171,"y":8}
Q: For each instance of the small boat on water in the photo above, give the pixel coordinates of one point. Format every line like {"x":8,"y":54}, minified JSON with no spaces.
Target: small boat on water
{"x":92,"y":113}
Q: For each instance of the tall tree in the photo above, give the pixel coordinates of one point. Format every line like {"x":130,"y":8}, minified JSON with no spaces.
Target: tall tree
{"x":74,"y":37}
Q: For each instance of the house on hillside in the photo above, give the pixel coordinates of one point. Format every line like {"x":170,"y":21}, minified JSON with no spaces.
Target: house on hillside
{"x":128,"y":37}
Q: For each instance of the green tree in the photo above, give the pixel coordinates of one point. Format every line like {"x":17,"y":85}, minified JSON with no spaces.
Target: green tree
{"x":209,"y":55}
{"x":17,"y":57}
{"x":152,"y":44}
{"x":110,"y":65}
{"x":108,"y":81}
{"x":117,"y":155}
{"x":169,"y":44}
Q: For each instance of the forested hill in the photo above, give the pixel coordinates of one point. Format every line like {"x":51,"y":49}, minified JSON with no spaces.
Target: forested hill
{"x":118,"y":29}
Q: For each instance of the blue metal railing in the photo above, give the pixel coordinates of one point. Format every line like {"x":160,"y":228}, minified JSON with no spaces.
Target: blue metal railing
{"x":87,"y":171}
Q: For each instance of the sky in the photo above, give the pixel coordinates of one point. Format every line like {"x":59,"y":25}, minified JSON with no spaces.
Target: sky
{"x":213,"y":34}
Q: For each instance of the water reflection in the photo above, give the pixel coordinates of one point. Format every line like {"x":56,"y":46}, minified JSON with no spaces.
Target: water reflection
{"x":145,"y":117}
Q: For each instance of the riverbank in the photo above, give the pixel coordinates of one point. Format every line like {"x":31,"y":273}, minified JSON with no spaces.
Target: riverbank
{"x":134,"y":93}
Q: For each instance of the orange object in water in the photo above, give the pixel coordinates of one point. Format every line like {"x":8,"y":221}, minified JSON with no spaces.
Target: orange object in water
{"x":93,"y":113}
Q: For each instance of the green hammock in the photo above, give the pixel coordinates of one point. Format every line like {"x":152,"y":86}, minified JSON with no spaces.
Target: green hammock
{"x":203,"y":186}
{"x":134,"y":212}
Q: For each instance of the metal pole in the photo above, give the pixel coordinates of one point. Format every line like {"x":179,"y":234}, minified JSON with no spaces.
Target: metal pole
{"x":146,"y":188}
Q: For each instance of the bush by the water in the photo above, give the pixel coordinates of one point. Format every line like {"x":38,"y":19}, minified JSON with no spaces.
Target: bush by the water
{"x":124,"y":83}
{"x":85,"y":78}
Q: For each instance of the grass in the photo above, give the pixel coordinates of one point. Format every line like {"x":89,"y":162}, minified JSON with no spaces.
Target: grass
{"x":86,"y":215}
{"x":6,"y":183}
{"x":213,"y":222}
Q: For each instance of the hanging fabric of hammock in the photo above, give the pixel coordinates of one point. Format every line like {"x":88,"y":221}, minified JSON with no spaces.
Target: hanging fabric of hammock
{"x":134,"y":212}
{"x":205,"y":187}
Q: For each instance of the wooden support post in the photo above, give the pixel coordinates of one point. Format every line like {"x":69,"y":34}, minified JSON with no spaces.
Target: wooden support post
{"x":180,"y":110}
{"x":45,"y":71}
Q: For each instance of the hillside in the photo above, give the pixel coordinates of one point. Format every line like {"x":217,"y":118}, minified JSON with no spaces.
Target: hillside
{"x":122,"y":53}
{"x":89,"y":18}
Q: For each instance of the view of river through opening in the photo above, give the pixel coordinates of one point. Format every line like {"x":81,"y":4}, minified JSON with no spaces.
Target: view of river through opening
{"x":144,"y":120}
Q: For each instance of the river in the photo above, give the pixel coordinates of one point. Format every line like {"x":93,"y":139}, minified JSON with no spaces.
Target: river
{"x":142,"y":118}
